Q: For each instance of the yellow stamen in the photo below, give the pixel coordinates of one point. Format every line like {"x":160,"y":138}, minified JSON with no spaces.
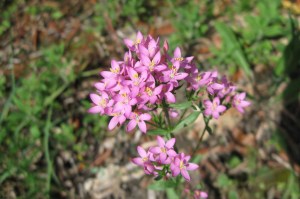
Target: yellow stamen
{"x":179,"y":59}
{"x":149,"y":91}
{"x":181,"y":165}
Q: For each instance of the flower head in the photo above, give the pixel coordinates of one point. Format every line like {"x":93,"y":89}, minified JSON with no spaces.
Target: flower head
{"x":239,"y":102}
{"x":164,"y":150}
{"x":181,"y":165}
{"x":213,"y":108}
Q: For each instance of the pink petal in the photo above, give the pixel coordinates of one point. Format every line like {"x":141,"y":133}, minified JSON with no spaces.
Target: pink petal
{"x":207,"y":103}
{"x":113,"y":123}
{"x":129,"y":43}
{"x":157,"y":90}
{"x":141,"y":152}
{"x":131,"y":125}
{"x":162,"y":157}
{"x":145,"y":116}
{"x":145,"y":60}
{"x":142,"y":126}
{"x":187,"y":157}
{"x":170,"y":97}
{"x":216,"y":101}
{"x":114,"y":64}
{"x":177,"y":52}
{"x":100,"y":86}
{"x":95,"y":109}
{"x":155,"y":150}
{"x":207,"y":112}
{"x":121,"y":119}
{"x":139,"y":36}
{"x":143,"y":50}
{"x":221,"y":108}
{"x":160,"y":141}
{"x":160,"y":67}
{"x":180,"y":76}
{"x":185,"y":174}
{"x":242,"y":95}
{"x":166,"y":45}
{"x":95,"y":98}
{"x":215,"y":114}
{"x":217,"y":86}
{"x":203,"y":194}
{"x":157,"y":58}
{"x":244,"y":103}
{"x":175,"y":171}
{"x":171,"y":153}
{"x":170,"y":143}
{"x":192,"y":166}
{"x":138,"y":161}
{"x":107,"y":74}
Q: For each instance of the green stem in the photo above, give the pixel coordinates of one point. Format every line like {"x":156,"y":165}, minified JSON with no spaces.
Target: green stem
{"x":201,"y":137}
{"x":165,"y":109}
{"x":46,"y":148}
{"x":182,"y":115}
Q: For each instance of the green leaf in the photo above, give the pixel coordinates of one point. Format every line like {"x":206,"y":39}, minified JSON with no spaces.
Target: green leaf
{"x":233,"y":195}
{"x":157,"y":132}
{"x":183,"y":105}
{"x":171,"y":193}
{"x":223,"y":181}
{"x":162,"y":185}
{"x":230,"y":42}
{"x":186,"y":121}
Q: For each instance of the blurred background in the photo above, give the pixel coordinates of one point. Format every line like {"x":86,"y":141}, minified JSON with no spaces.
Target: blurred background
{"x":51,"y":53}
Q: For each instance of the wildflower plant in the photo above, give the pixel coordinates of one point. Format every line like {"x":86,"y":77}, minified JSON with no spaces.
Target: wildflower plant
{"x":140,"y":91}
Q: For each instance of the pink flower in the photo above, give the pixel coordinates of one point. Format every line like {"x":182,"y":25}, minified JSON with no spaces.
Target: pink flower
{"x":118,"y":118}
{"x":228,"y":88}
{"x":151,"y":49}
{"x":124,"y":102}
{"x":200,"y":194}
{"x":150,"y":94}
{"x":136,"y":79}
{"x":144,"y":161}
{"x":239,"y":103}
{"x":181,"y":165}
{"x":150,"y":64}
{"x":167,"y":93}
{"x":178,"y":57}
{"x":138,"y":119}
{"x":164,"y":150}
{"x":101,"y":103}
{"x":115,"y":70}
{"x":172,"y":75}
{"x":213,"y":108}
{"x":133,"y":45}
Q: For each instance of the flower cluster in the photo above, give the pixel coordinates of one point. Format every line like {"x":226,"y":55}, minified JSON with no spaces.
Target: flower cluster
{"x":149,"y":75}
{"x":163,"y":160}
{"x":138,"y":83}
{"x":220,"y":91}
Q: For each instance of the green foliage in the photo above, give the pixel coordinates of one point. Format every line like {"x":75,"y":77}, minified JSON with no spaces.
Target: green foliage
{"x":186,"y":121}
{"x":163,"y":185}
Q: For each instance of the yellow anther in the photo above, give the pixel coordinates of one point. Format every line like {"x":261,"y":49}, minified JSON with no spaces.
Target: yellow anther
{"x":181,"y":165}
{"x":179,"y":59}
{"x":135,"y":76}
{"x":117,"y":70}
{"x":145,"y":159}
{"x":149,"y":91}
{"x":137,"y":41}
